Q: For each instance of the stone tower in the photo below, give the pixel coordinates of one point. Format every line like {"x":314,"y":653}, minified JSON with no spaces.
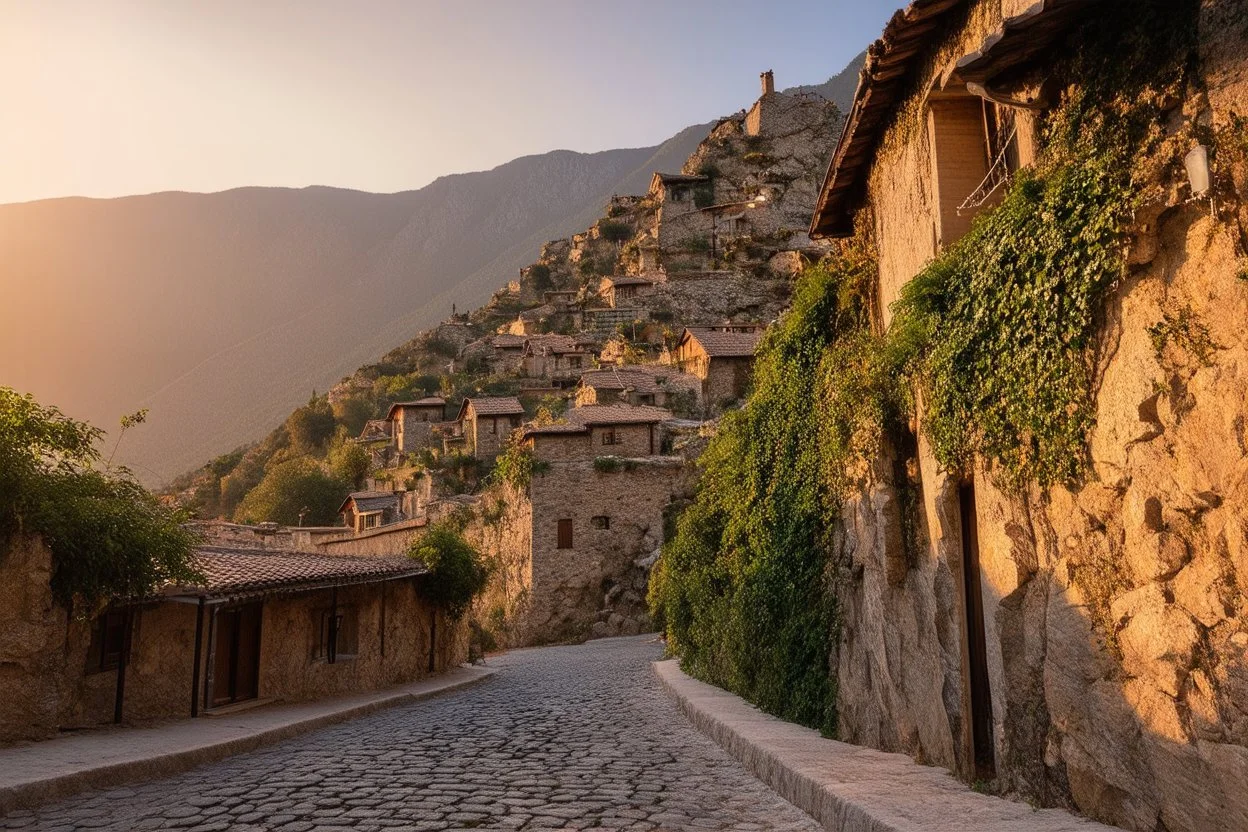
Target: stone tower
{"x":769,"y":82}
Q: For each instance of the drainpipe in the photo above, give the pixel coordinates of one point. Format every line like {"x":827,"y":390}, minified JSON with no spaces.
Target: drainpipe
{"x":199,"y":643}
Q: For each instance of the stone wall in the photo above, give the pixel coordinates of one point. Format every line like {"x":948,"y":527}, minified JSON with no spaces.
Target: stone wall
{"x":596,"y":587}
{"x":392,"y":539}
{"x":47,"y":685}
{"x":727,"y":380}
{"x":1116,"y":619}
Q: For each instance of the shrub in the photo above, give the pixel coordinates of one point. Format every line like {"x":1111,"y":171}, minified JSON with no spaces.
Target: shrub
{"x":110,"y":538}
{"x":539,"y":273}
{"x":457,"y":572}
{"x":291,"y":487}
{"x":311,"y":426}
{"x":615,"y":232}
{"x":516,"y":466}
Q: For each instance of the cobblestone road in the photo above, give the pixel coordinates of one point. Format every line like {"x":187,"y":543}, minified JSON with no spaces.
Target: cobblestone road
{"x":561,"y":738}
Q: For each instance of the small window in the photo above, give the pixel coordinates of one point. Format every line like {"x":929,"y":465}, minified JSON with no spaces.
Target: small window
{"x":602,"y":521}
{"x":493,"y":426}
{"x":108,"y":642}
{"x":336,"y":639}
{"x":565,"y":534}
{"x":610,"y":437}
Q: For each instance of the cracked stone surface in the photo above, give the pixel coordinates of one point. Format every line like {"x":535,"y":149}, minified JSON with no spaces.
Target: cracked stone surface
{"x":561,"y":738}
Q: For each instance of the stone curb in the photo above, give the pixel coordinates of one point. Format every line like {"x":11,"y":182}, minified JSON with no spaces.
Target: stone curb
{"x":848,"y":788}
{"x":30,"y":793}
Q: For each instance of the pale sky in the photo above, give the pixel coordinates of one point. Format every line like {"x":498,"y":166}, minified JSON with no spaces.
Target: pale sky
{"x":113,"y":97}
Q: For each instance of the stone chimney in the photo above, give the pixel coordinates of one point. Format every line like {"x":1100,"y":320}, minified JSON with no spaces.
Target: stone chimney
{"x":769,"y":82}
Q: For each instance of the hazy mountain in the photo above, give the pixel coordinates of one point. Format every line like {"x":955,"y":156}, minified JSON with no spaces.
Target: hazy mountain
{"x":840,"y":88}
{"x":220,"y":312}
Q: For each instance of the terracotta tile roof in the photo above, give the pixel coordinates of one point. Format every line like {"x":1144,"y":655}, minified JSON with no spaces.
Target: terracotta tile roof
{"x":553,"y":344}
{"x":232,"y":571}
{"x":631,"y":280}
{"x":493,"y":406}
{"x":719,"y":344}
{"x":679,"y":178}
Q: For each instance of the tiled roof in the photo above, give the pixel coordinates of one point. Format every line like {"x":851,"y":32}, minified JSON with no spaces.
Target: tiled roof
{"x":370,"y":501}
{"x":882,"y":82}
{"x":719,"y":344}
{"x":581,"y":419}
{"x":505,"y":341}
{"x":631,"y":280}
{"x":493,"y":406}
{"x":553,"y":344}
{"x":375,"y":429}
{"x":427,"y":401}
{"x":640,"y":379}
{"x":231,"y":571}
{"x":616,"y":414}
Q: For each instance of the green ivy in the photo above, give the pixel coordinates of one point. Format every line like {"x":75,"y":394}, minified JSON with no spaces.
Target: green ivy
{"x":998,"y":331}
{"x":516,"y":466}
{"x":745,"y":588}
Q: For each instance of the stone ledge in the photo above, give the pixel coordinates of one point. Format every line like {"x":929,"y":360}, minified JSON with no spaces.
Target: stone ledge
{"x":848,"y":788}
{"x":41,"y":772}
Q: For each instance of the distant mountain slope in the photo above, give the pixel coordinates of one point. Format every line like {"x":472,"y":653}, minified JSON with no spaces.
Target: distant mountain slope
{"x":221,"y":311}
{"x":840,"y":88}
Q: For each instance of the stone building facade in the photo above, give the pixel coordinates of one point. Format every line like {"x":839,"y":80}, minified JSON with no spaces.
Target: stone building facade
{"x":487,"y":422}
{"x":983,"y":653}
{"x":723,"y":360}
{"x":267,"y":624}
{"x":412,"y":422}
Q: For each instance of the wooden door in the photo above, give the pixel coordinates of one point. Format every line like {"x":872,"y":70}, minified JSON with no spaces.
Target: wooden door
{"x":236,"y":655}
{"x":565,"y":534}
{"x":977,"y":651}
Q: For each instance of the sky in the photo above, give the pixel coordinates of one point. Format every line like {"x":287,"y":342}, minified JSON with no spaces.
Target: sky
{"x":113,"y":97}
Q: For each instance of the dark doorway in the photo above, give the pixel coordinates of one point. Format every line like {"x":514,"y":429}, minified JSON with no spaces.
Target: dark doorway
{"x":236,"y":655}
{"x":977,"y":651}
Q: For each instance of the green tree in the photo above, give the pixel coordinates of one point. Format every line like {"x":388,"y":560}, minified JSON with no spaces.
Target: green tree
{"x":540,"y":275}
{"x":457,"y":571}
{"x":349,"y":463}
{"x":353,"y":412}
{"x":311,"y":426}
{"x":291,"y":487}
{"x":110,"y":538}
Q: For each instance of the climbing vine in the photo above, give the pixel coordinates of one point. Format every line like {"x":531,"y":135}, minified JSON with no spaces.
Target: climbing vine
{"x":998,"y":331}
{"x":745,"y":587}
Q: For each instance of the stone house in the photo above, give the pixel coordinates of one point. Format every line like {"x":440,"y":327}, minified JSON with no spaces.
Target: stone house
{"x":981,"y":651}
{"x":640,"y":385}
{"x":597,"y":430}
{"x":411,"y":422}
{"x":723,"y":360}
{"x":487,"y":422}
{"x":363,"y":510}
{"x":266,"y":625}
{"x":506,"y":352}
{"x":625,"y":288}
{"x":576,"y":568}
{"x":560,"y":299}
{"x":557,"y":357}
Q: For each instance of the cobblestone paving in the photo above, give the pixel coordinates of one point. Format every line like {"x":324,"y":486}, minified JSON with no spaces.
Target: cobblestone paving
{"x":561,"y":738}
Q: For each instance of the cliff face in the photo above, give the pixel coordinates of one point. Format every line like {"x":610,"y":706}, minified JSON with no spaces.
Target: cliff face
{"x":1115,"y":614}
